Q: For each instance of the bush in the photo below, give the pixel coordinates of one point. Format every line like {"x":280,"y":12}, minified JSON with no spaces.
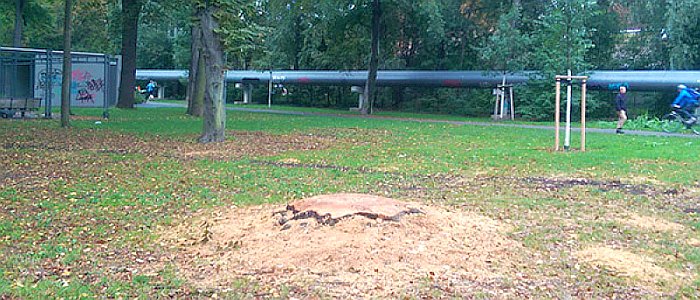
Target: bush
{"x":139,"y":98}
{"x":642,"y":122}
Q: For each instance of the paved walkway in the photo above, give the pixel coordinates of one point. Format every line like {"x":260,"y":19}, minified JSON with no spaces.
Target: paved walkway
{"x":544,"y":127}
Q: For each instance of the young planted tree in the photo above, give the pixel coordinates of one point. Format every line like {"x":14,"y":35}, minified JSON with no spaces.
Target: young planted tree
{"x":370,"y":88}
{"x":130,"y":21}
{"x":67,"y":66}
{"x":560,"y":42}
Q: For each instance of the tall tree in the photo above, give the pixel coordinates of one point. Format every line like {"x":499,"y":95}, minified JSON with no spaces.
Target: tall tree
{"x":67,"y":65}
{"x":19,"y":23}
{"x":213,"y":60}
{"x":370,"y":87}
{"x":197,"y":80}
{"x":226,"y":26}
{"x":130,"y":21}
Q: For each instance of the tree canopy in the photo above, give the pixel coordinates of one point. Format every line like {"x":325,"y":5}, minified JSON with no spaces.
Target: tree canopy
{"x":502,"y":35}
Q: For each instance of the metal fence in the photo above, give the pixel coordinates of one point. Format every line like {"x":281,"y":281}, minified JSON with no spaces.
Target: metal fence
{"x":37,"y":73}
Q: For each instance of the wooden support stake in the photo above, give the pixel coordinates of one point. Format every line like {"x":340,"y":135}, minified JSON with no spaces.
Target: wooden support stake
{"x":557,"y":114}
{"x":583,"y":116}
{"x":495,"y":107}
{"x":512,"y":106}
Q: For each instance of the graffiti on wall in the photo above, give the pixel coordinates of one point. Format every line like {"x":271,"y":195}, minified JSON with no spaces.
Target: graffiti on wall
{"x":56,"y":76}
{"x":87,"y":84}
{"x":85,"y":87}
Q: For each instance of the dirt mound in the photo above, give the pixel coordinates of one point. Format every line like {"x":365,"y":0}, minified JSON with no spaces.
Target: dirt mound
{"x":358,"y":256}
{"x":626,"y":264}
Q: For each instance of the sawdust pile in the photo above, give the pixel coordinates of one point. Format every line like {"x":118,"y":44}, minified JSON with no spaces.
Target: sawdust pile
{"x":626,"y":264}
{"x":650,"y":223}
{"x":381,"y":253}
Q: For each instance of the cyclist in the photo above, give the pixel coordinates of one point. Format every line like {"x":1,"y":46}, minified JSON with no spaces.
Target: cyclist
{"x":685,"y":103}
{"x":151,"y":89}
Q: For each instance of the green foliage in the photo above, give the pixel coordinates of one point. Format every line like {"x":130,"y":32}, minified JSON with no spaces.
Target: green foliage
{"x":44,"y":24}
{"x":6,"y":22}
{"x":604,"y":27}
{"x":648,"y":49}
{"x":560,"y":44}
{"x":139,"y":98}
{"x":430,"y":35}
{"x":239,"y":28}
{"x":155,"y":50}
{"x":504,"y":49}
{"x":89,"y":31}
{"x":641,"y":122}
{"x":684,"y":31}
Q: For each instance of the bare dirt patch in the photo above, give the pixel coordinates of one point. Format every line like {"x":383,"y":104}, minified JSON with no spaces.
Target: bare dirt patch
{"x":358,"y":256}
{"x":626,"y":264}
{"x":650,"y":223}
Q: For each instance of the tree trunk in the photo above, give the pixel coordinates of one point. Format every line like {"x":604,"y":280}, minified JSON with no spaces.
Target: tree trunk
{"x":197,"y":81}
{"x":67,"y":66}
{"x":213,"y":58}
{"x":397,"y":97}
{"x":298,"y":41}
{"x":199,"y":88}
{"x":370,"y":87}
{"x":19,"y":23}
{"x":130,"y":23}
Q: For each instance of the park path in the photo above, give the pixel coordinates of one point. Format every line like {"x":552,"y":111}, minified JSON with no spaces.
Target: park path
{"x":472,"y":123}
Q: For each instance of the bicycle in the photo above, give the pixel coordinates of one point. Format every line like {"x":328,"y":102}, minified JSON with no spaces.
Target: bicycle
{"x":674,"y":121}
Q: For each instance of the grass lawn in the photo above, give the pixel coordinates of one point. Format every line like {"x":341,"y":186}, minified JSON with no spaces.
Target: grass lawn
{"x":81,"y":209}
{"x":643,"y":123}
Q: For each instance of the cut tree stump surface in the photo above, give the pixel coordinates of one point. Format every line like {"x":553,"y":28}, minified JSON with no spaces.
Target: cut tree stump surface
{"x":338,"y":206}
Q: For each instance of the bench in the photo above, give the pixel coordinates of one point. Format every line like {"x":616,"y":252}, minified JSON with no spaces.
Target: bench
{"x":10,"y":106}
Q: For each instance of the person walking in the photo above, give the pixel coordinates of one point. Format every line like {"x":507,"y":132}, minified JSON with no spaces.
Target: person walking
{"x":621,"y":108}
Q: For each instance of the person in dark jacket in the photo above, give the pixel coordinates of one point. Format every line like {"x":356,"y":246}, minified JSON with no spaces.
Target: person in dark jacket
{"x":621,"y":108}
